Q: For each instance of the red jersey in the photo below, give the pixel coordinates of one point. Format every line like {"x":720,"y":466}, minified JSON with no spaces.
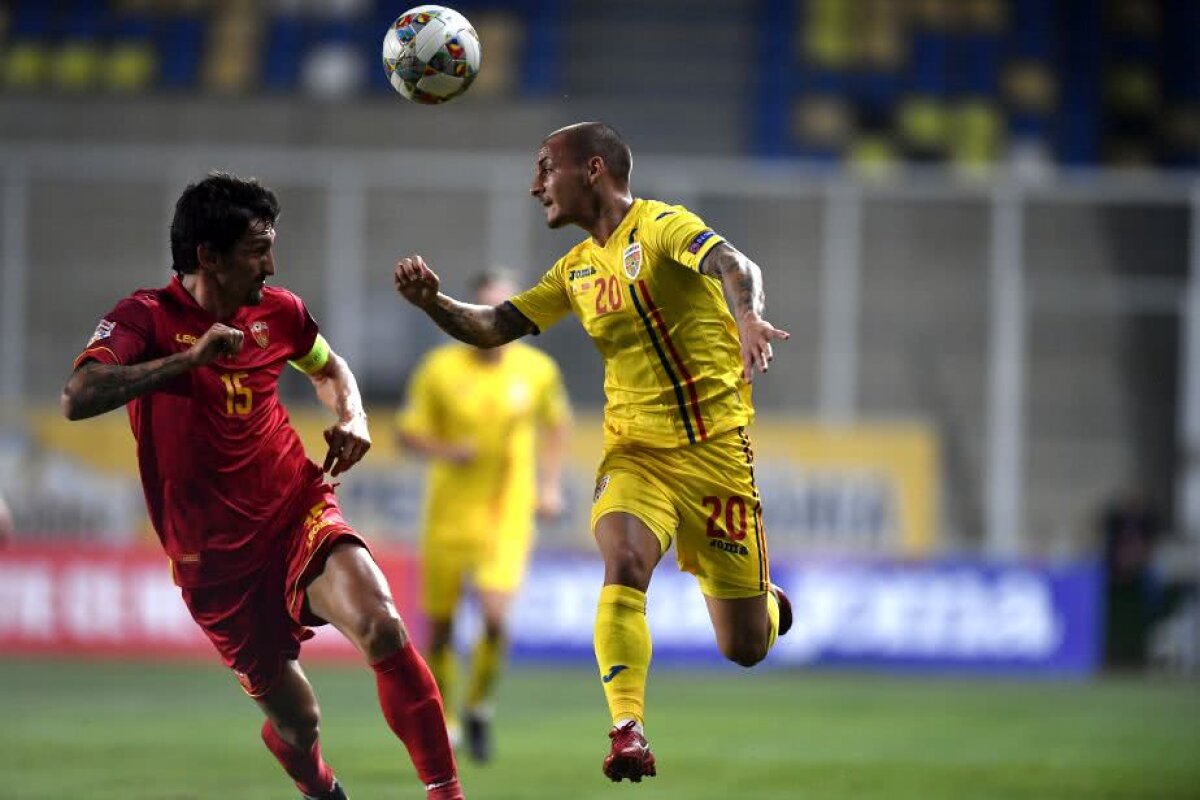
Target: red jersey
{"x":221,"y":466}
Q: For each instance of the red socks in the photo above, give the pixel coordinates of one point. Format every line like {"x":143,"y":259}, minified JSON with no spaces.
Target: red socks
{"x":412,"y":707}
{"x":312,"y":775}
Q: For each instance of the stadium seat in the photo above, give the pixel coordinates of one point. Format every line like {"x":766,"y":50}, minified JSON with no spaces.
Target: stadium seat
{"x":130,"y":67}
{"x":505,"y":38}
{"x":25,"y":65}
{"x":976,"y":136}
{"x":285,"y":48}
{"x":231,"y":62}
{"x":76,"y":66}
{"x":181,"y":44}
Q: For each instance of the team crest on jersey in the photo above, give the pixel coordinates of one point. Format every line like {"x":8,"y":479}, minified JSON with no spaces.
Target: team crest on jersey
{"x":103,"y":331}
{"x":261,"y":333}
{"x":633,"y":260}
{"x":601,"y":485}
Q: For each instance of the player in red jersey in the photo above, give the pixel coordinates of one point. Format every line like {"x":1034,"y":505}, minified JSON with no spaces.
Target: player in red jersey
{"x":256,"y":541}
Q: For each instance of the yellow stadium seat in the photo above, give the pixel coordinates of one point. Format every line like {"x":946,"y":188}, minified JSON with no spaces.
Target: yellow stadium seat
{"x":1031,"y":86}
{"x":76,"y":66}
{"x":130,"y":68}
{"x":986,"y":16}
{"x":231,"y":60}
{"x":873,"y":156}
{"x":505,"y":37}
{"x":1132,"y":89}
{"x":822,"y":121}
{"x":976,"y":136}
{"x":25,"y":65}
{"x":829,"y":33}
{"x":924,"y":124}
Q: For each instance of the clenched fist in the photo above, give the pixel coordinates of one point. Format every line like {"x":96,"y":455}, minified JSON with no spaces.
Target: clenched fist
{"x":219,"y":340}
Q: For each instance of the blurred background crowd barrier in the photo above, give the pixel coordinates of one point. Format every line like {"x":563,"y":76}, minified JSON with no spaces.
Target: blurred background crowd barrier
{"x":980,"y":221}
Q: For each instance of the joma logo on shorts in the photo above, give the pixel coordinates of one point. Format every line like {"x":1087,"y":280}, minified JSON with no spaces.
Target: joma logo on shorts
{"x":729,"y":547}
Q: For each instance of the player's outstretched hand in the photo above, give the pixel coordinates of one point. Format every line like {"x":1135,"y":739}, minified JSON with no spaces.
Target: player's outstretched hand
{"x":757,"y":335}
{"x":416,"y":282}
{"x":219,"y":340}
{"x":348,"y":443}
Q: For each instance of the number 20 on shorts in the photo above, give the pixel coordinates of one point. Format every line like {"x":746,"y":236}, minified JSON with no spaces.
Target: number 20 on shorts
{"x":734,"y":517}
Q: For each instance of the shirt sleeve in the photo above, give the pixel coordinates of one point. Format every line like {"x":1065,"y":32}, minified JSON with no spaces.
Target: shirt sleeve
{"x":420,"y":416}
{"x":554,"y":408}
{"x":680,"y":235}
{"x":122,"y":336}
{"x":306,"y":336}
{"x":545,"y":303}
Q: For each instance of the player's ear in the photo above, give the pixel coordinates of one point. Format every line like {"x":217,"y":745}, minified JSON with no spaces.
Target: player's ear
{"x":207,"y":257}
{"x":595,"y":168}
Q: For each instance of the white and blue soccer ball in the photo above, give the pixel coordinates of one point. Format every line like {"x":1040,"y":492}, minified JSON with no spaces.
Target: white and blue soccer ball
{"x":431,"y":54}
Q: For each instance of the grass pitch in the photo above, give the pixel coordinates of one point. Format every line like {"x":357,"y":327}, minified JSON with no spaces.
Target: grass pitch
{"x":185,"y":732}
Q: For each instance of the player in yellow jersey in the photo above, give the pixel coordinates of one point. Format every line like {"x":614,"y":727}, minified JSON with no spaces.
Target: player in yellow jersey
{"x":650,"y":286}
{"x":479,"y":416}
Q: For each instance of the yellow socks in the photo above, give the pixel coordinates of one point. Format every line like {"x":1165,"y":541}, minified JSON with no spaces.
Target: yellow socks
{"x":623,"y":649}
{"x":486,"y":660}
{"x":773,"y":615}
{"x":443,"y":663}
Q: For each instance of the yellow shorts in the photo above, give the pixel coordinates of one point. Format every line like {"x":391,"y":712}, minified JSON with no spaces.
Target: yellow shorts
{"x":495,"y":565}
{"x":703,"y":495}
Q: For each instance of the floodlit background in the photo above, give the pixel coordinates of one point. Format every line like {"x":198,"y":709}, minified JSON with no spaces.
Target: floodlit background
{"x":979,"y":453}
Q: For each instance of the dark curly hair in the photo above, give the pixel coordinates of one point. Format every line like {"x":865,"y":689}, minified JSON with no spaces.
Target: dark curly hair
{"x":217,"y":212}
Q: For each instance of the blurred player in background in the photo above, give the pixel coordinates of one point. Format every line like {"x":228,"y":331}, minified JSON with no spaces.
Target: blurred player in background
{"x":253,"y":531}
{"x":493,"y":422}
{"x":647,"y":287}
{"x":6,"y":522}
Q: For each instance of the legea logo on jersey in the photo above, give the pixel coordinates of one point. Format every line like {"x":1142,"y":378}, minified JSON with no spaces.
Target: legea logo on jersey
{"x":633,"y":260}
{"x":103,"y":331}
{"x":261,"y":333}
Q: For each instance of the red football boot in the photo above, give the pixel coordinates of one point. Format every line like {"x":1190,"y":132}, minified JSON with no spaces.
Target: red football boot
{"x":446,"y":790}
{"x":630,"y":756}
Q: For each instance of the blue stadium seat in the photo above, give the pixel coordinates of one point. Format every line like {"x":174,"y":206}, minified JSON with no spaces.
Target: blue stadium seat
{"x":180,"y":48}
{"x":32,"y":19}
{"x":287,"y":38}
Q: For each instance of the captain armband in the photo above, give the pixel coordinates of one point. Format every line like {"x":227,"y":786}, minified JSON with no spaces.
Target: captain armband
{"x":316,"y":359}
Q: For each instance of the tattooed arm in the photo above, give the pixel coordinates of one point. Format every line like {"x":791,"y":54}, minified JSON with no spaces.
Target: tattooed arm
{"x":742,"y":280}
{"x":95,"y":388}
{"x":482,"y":326}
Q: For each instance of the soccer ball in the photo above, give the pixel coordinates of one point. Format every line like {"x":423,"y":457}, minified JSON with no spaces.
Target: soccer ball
{"x":431,"y":54}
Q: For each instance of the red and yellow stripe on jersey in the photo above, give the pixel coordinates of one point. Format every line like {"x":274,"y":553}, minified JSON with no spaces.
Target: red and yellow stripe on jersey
{"x":672,"y":362}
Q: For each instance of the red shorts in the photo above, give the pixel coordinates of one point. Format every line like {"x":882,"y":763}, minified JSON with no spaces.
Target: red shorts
{"x":257,"y":622}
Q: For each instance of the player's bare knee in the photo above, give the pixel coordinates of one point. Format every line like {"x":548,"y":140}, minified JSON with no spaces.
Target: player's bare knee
{"x":380,"y":632}
{"x":745,"y":651}
{"x":627,"y":566}
{"x":301,"y":728}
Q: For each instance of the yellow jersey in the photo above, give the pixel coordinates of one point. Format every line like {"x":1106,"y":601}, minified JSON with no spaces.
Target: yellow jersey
{"x":493,"y":407}
{"x":672,"y":358}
